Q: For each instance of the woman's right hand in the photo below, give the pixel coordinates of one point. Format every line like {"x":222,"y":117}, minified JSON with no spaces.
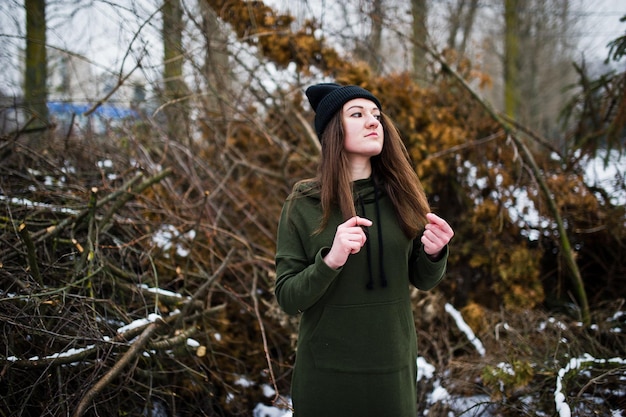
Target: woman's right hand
{"x":349,"y":238}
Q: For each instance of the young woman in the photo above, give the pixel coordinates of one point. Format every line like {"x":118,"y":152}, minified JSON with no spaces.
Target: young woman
{"x":350,"y":241}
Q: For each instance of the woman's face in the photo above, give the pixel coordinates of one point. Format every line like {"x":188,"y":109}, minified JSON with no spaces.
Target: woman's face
{"x":364,"y":135}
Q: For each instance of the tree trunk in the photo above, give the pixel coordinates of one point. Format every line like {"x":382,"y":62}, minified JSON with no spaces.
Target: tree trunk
{"x":375,"y":38}
{"x":419,"y":11}
{"x":175,"y":89}
{"x":467,"y":24}
{"x":36,"y":71}
{"x":216,"y":67}
{"x":511,"y":57}
{"x":461,"y":19}
{"x":368,"y":48}
{"x":454,"y":22}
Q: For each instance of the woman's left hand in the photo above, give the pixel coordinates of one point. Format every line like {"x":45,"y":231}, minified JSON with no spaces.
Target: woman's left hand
{"x":436,"y":235}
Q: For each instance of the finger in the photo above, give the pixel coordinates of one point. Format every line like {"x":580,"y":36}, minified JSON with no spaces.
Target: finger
{"x":344,"y":230}
{"x":439,"y":222}
{"x":352,"y":238}
{"x":433,"y":218}
{"x":433,"y":238}
{"x":362,"y":221}
{"x":431,"y":247}
{"x":359,"y":236}
{"x":438,"y":232}
{"x":353,"y":246}
{"x":437,"y":237}
{"x":356,"y":249}
{"x":357,"y":221}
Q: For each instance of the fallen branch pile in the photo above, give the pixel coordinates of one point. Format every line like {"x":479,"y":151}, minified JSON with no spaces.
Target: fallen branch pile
{"x":127,"y":284}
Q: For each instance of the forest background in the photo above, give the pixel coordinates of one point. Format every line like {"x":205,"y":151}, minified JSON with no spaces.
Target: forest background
{"x":147,"y":147}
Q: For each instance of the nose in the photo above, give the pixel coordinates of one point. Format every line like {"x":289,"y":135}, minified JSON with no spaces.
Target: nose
{"x":372,"y":121}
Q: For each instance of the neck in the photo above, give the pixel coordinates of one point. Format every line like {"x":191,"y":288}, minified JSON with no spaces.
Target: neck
{"x":360,"y":169}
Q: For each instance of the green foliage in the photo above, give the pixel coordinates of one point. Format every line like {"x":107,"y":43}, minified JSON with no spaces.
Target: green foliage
{"x":504,"y":379}
{"x":617,"y":47}
{"x":598,"y":112}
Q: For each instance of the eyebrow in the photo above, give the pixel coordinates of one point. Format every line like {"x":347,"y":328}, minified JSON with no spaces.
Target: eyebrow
{"x":361,"y":107}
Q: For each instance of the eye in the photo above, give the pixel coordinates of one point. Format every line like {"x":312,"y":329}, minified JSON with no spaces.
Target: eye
{"x":377,"y":117}
{"x":356,"y":114}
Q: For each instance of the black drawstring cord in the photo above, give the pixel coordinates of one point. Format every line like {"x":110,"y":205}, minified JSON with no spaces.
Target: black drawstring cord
{"x":370,"y":282}
{"x":383,"y":277}
{"x":381,"y":260}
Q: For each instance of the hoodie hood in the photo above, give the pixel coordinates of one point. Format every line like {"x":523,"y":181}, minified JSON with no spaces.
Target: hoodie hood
{"x":365,"y":189}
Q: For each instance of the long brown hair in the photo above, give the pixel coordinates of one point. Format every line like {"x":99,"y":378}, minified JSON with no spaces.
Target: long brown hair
{"x":392,"y":170}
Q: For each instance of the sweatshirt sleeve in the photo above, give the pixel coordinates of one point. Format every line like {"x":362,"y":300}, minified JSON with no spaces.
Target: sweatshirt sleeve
{"x":301,"y":278}
{"x":425,"y":274}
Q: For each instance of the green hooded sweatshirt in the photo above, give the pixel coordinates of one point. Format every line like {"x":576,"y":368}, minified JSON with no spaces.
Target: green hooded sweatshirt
{"x":357,"y":345}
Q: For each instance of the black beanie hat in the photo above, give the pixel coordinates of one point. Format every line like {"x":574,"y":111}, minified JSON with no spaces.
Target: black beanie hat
{"x":328,"y":98}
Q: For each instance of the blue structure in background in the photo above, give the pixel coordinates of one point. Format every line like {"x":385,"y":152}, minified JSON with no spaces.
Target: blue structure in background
{"x":106,"y":111}
{"x":104,"y":116}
